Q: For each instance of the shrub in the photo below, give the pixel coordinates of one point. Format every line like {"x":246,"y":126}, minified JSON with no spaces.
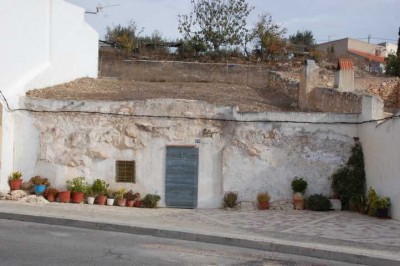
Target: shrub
{"x":78,"y":184}
{"x":119,"y":194}
{"x":15,"y":175}
{"x":263,"y":197}
{"x":38,"y":180}
{"x":99,"y":187}
{"x":318,"y":202}
{"x":375,"y":202}
{"x":299,"y":185}
{"x":230,"y":199}
{"x":151,"y":201}
{"x":349,"y":181}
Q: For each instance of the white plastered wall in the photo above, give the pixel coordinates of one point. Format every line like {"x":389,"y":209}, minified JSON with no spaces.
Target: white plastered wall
{"x":381,"y":146}
{"x":44,"y":43}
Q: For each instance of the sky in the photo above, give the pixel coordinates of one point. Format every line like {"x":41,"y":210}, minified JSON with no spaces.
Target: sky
{"x":327,"y":19}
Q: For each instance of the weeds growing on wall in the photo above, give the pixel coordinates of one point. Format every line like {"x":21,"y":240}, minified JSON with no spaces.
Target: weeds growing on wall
{"x":349,"y":181}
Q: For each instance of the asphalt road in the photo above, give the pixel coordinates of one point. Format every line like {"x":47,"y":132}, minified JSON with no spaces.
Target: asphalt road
{"x":23,"y":243}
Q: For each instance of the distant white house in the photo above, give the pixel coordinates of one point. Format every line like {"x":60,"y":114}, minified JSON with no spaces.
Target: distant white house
{"x":44,"y":43}
{"x":371,"y":55}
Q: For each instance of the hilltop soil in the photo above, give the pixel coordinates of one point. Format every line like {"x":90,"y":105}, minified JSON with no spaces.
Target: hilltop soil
{"x":248,"y":99}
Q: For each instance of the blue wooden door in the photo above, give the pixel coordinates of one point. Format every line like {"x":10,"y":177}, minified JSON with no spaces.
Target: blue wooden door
{"x":181,"y":182}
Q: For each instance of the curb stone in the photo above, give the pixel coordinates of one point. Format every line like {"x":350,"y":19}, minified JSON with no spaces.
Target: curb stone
{"x":321,"y":251}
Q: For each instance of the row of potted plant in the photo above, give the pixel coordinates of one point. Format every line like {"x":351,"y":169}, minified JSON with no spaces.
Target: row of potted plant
{"x":315,"y":202}
{"x":78,"y":189}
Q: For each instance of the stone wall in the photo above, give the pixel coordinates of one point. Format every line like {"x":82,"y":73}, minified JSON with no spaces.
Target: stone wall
{"x":388,"y":90}
{"x":334,"y":101}
{"x":289,"y":87}
{"x":172,"y":71}
{"x":247,"y":153}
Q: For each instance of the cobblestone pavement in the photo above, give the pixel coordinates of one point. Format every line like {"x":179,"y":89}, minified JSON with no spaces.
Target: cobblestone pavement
{"x":293,"y":225}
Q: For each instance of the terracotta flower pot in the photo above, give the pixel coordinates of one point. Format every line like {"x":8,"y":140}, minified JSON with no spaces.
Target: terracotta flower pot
{"x":51,"y":198}
{"x":77,"y":197}
{"x":129,"y":203}
{"x":64,"y":196}
{"x":101,"y":200}
{"x":137,"y":203}
{"x":121,"y":202}
{"x":15,"y":184}
{"x":298,"y":201}
{"x":263,"y":205}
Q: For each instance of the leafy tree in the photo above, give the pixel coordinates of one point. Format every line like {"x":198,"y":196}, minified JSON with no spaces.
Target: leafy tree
{"x":122,"y":36}
{"x":393,"y":65}
{"x":393,"y":61}
{"x":303,"y":38}
{"x":216,"y":22}
{"x":349,"y":181}
{"x":269,"y":37}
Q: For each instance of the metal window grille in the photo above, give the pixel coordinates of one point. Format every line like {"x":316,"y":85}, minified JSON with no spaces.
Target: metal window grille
{"x":125,"y":171}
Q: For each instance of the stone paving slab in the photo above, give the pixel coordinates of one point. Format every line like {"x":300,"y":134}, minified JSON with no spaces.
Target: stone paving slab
{"x":334,"y":230}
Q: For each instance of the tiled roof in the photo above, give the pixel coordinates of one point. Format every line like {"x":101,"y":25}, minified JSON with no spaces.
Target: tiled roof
{"x":345,"y":64}
{"x":369,"y":57}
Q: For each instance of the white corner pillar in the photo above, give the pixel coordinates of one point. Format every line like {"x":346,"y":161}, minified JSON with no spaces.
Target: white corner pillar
{"x":7,"y":149}
{"x":372,"y":108}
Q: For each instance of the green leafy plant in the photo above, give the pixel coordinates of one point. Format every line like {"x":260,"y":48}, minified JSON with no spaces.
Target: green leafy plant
{"x":318,"y":202}
{"x":299,"y":185}
{"x":375,"y":202}
{"x":119,"y":194}
{"x":99,"y":187}
{"x":38,"y":180}
{"x":15,"y":175}
{"x":110,"y":193}
{"x":151,"y":200}
{"x":349,"y":181}
{"x":230,"y":199}
{"x":78,"y":184}
{"x":89,"y":192}
{"x":357,"y":203}
{"x":263,"y":197}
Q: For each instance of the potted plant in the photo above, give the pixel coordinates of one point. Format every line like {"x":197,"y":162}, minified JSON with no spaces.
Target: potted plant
{"x":50,"y":194}
{"x":40,"y":184}
{"x":376,"y":205}
{"x":110,"y":197}
{"x":130,"y":198}
{"x":263,"y":200}
{"x":119,"y":196}
{"x":299,"y":186}
{"x":64,"y":196}
{"x":137,"y":202}
{"x":78,"y":187}
{"x":15,"y":180}
{"x":230,"y":199}
{"x":90,"y":196}
{"x":151,"y":201}
{"x":99,"y":188}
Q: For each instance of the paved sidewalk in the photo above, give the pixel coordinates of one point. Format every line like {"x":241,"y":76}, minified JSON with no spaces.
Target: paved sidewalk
{"x":342,"y":236}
